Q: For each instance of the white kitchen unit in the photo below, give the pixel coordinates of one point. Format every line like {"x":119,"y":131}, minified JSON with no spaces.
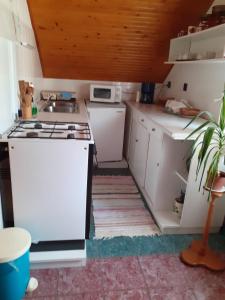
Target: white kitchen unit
{"x":157,"y":159}
{"x":107,"y":124}
{"x":50,"y":166}
{"x":205,"y":46}
{"x":49,"y":188}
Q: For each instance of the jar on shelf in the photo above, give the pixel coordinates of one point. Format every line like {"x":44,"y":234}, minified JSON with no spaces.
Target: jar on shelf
{"x":178,"y":204}
{"x":204,"y":22}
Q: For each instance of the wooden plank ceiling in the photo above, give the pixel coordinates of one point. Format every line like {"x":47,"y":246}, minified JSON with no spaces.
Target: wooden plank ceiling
{"x":118,"y":40}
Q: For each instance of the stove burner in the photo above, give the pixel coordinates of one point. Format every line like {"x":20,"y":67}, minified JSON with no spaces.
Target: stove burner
{"x":70,"y":136}
{"x":38,"y":126}
{"x":71,"y":127}
{"x":51,"y":130}
{"x":32,"y":134}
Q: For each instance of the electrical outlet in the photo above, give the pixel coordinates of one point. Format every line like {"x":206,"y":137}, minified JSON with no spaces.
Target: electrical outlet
{"x":168,"y":84}
{"x":185,"y":86}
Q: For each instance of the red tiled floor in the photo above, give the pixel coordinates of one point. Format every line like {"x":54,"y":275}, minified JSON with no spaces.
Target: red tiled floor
{"x":47,"y":283}
{"x":101,"y":275}
{"x":174,"y":293}
{"x":155,"y":277}
{"x":85,"y":296}
{"x":127,"y":295}
{"x":163,"y":271}
{"x":210,"y":294}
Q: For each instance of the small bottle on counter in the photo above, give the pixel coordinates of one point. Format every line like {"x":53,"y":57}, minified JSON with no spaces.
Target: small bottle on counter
{"x":34,"y":109}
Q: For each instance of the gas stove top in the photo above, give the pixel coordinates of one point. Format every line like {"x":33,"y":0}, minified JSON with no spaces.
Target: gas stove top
{"x":51,"y":130}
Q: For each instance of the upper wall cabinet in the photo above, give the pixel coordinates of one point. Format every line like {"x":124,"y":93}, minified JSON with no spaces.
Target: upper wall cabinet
{"x":205,"y":46}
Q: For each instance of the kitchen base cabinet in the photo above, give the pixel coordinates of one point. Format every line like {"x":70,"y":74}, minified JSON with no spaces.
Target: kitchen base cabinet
{"x":153,"y":164}
{"x":157,"y":161}
{"x":138,"y":151}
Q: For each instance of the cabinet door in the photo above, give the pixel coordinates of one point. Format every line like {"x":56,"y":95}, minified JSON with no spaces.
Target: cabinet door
{"x":132,"y":144}
{"x":138,"y":150}
{"x":153,"y":163}
{"x":108,"y":129}
{"x":127,"y":133}
{"x":141,"y":151}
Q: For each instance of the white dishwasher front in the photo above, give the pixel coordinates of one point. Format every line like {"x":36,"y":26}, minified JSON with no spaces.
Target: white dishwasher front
{"x":107,"y":123}
{"x":49,"y":181}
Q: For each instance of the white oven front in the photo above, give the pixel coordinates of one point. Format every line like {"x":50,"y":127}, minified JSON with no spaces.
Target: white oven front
{"x":49,"y":180}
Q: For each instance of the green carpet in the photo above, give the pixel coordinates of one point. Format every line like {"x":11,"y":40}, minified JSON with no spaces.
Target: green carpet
{"x":126,"y":246}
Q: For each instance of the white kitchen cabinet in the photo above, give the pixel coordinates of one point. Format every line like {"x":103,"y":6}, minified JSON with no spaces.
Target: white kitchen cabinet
{"x":157,"y":159}
{"x":207,"y":44}
{"x":127,"y":132}
{"x":138,"y":151}
{"x":153,"y":163}
{"x":107,"y":123}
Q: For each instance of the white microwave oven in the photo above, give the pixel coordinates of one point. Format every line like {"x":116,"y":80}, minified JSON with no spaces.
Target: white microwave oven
{"x":105,"y":93}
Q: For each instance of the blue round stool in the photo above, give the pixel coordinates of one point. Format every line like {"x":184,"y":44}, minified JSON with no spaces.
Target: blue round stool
{"x":14,"y":263}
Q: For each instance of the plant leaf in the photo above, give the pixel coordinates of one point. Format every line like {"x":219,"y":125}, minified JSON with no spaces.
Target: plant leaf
{"x":222,"y":114}
{"x":197,"y":129}
{"x":205,"y":146}
{"x":211,"y":119}
{"x":204,"y":166}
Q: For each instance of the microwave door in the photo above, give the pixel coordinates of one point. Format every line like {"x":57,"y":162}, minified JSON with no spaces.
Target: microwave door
{"x":103,"y":94}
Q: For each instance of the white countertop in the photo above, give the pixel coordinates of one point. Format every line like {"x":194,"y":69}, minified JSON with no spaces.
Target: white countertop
{"x":171,"y":124}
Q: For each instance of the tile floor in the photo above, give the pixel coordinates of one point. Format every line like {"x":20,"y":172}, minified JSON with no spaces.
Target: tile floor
{"x":155,"y":277}
{"x":138,"y":268}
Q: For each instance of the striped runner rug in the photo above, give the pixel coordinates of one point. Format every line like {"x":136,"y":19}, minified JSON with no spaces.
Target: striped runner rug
{"x":119,"y":210}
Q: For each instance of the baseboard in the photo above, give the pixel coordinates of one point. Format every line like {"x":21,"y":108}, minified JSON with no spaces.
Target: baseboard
{"x":58,"y":259}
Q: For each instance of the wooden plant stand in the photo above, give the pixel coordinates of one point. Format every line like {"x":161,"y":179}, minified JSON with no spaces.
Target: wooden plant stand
{"x":199,"y":253}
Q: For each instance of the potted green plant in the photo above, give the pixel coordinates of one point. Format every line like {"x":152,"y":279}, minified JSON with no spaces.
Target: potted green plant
{"x":209,"y":147}
{"x":210,"y":144}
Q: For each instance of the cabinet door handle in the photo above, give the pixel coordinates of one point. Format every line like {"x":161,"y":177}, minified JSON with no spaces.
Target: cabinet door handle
{"x":153,"y":129}
{"x":157,"y":164}
{"x":142,"y":120}
{"x":119,"y":111}
{"x":136,"y":140}
{"x":12,"y":147}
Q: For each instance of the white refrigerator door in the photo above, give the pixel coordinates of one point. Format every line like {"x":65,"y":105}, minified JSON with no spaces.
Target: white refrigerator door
{"x":108,"y":129}
{"x":49,"y":180}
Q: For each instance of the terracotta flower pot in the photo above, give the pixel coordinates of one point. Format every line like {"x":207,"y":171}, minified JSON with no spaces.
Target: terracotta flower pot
{"x":219,"y":182}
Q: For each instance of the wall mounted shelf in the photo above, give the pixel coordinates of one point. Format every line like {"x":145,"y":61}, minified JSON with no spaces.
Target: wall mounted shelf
{"x":208,"y":44}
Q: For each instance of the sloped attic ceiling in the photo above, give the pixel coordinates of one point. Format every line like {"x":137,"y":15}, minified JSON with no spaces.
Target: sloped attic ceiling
{"x":118,"y":40}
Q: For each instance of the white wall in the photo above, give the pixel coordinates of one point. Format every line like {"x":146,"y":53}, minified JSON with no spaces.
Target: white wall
{"x":7,"y":95}
{"x":205,"y":83}
{"x":28,"y":62}
{"x":16,"y":61}
{"x":82,"y":87}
